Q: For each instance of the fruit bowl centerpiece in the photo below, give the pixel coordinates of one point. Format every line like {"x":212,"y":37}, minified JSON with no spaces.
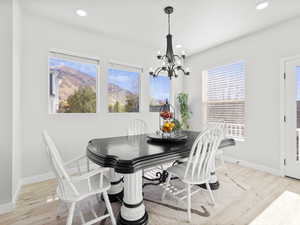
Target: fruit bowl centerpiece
{"x":168,"y":126}
{"x":166,"y":119}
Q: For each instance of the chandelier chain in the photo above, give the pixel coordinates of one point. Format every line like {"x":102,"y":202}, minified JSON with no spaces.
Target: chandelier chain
{"x":169,"y":22}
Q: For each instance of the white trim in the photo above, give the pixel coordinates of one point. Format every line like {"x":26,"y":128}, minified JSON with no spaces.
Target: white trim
{"x":38,"y":178}
{"x":282,"y":140}
{"x":17,"y":192}
{"x":255,"y":166}
{"x":125,"y":65}
{"x":7,"y":207}
{"x":43,"y":177}
{"x":73,"y":54}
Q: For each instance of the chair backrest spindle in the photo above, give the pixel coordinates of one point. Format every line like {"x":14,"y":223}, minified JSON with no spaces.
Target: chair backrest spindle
{"x":56,"y":162}
{"x":137,"y":127}
{"x":203,"y":153}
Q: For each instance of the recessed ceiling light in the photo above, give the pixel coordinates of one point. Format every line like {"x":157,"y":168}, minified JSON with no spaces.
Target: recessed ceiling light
{"x":178,"y":46}
{"x":81,"y":12}
{"x":262,"y":5}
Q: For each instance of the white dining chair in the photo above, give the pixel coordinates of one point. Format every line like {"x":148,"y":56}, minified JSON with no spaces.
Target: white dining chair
{"x":137,"y":127}
{"x":74,"y":188}
{"x":220,"y":152}
{"x":198,"y":167}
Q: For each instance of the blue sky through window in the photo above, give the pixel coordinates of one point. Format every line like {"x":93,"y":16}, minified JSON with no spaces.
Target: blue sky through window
{"x":160,"y":88}
{"x":89,"y":69}
{"x":124,"y":79}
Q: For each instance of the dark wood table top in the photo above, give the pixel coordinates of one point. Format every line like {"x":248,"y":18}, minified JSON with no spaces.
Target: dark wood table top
{"x":127,"y":154}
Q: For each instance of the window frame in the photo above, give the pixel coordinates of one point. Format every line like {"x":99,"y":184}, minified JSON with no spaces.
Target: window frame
{"x":70,"y":54}
{"x":171,"y":100}
{"x":204,"y":94}
{"x":121,"y":64}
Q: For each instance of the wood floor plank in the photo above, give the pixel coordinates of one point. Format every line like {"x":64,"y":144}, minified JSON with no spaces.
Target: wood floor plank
{"x":37,"y":203}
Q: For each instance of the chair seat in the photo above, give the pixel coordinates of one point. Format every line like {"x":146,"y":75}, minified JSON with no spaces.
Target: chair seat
{"x":179,"y":171}
{"x":83,"y":188}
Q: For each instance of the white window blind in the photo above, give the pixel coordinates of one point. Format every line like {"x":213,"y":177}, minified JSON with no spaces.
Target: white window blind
{"x":224,"y":97}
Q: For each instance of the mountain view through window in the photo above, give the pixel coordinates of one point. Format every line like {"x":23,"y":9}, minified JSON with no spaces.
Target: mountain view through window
{"x":72,"y":85}
{"x":123,"y":90}
{"x":298,"y":95}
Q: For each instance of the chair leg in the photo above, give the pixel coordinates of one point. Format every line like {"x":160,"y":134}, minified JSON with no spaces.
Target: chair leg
{"x":62,"y":207}
{"x":188,"y":187}
{"x":71,"y":214}
{"x":210,"y":193}
{"x":167,"y":185}
{"x":109,"y":209}
{"x":161,"y":167}
{"x":223,"y":163}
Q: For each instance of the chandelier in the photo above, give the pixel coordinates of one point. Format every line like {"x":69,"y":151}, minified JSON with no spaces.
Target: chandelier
{"x":172,"y":63}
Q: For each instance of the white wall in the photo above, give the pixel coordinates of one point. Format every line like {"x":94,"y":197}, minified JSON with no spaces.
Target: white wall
{"x":262,"y":53}
{"x":72,"y":133}
{"x":6,"y":101}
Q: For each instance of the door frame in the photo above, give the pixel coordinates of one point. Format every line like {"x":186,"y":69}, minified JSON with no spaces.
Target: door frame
{"x":282,"y":113}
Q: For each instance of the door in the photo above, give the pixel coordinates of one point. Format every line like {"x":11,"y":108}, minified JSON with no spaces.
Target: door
{"x":292,"y":124}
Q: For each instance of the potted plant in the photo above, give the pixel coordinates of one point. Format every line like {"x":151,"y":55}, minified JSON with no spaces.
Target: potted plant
{"x":185,"y":113}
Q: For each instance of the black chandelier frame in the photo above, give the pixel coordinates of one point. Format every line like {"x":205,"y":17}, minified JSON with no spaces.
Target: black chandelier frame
{"x":169,"y":59}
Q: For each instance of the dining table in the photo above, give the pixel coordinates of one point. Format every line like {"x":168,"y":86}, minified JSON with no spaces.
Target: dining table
{"x":128,"y":156}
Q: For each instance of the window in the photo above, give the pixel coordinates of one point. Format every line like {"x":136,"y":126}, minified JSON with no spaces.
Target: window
{"x":123,"y":88}
{"x":160,"y":92}
{"x":72,"y":84}
{"x":298,"y":97}
{"x":224,"y":97}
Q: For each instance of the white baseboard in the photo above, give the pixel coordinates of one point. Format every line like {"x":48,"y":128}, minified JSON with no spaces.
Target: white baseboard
{"x":263,"y":168}
{"x":45,"y":176}
{"x":7,"y":207}
{"x":17,"y":192}
{"x":37,"y":178}
{"x":10,"y":206}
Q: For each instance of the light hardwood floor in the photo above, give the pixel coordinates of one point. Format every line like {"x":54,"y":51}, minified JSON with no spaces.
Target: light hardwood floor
{"x":37,"y":203}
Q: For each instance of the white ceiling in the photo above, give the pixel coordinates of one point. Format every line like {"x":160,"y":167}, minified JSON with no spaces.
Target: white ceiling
{"x":196,"y":24}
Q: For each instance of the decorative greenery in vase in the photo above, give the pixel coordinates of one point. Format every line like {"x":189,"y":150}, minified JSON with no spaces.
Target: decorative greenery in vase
{"x":185,"y":113}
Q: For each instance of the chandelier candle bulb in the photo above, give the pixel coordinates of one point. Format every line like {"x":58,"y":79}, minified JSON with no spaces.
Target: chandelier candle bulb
{"x":187,"y":71}
{"x":81,"y":12}
{"x":262,"y":5}
{"x":151,"y":71}
{"x":159,"y":55}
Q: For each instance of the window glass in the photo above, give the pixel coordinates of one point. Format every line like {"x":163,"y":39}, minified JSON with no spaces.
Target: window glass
{"x":72,"y":84}
{"x":224,"y":95}
{"x":123,"y":89}
{"x":160,"y":92}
